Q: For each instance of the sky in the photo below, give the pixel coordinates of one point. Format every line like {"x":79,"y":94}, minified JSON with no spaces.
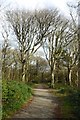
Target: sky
{"x":32,"y":4}
{"x":40,"y":4}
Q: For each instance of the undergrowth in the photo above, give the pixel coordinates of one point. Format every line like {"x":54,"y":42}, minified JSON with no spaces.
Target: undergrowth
{"x":70,"y":101}
{"x":14,"y":94}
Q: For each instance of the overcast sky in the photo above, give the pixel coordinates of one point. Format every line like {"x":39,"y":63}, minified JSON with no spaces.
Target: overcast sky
{"x":40,"y":4}
{"x":37,"y":4}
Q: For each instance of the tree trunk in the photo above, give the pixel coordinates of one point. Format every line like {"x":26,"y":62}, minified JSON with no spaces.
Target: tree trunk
{"x":70,"y":77}
{"x":27,"y":72}
{"x":53,"y":80}
{"x":42,"y":77}
{"x":23,"y":72}
{"x":53,"y":75}
{"x":3,"y":70}
{"x":78,"y":72}
{"x":25,"y":67}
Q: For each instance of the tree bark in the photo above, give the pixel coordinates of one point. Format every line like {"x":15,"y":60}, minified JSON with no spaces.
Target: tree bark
{"x":23,"y":72}
{"x":68,"y":73}
{"x":78,"y":72}
{"x":70,"y":77}
{"x":53,"y":76}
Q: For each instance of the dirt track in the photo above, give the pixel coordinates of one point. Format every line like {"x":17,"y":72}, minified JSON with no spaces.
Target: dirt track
{"x":43,"y":105}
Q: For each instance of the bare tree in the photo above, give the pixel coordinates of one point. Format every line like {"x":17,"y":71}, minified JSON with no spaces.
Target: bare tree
{"x":29,"y":37}
{"x":76,"y":30}
{"x":55,"y":43}
{"x":22,"y":26}
{"x":45,"y":23}
{"x":69,"y":60}
{"x":5,"y":55}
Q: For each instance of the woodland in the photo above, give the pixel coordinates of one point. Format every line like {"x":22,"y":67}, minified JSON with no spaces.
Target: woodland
{"x":41,"y":46}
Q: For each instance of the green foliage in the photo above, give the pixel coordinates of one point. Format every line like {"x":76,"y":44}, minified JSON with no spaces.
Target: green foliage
{"x":14,"y":94}
{"x":70,"y":100}
{"x":73,"y":100}
{"x":71,"y":105}
{"x":49,"y":84}
{"x":66,"y":90}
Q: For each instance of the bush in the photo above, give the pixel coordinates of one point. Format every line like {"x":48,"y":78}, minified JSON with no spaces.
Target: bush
{"x":70,"y":102}
{"x":14,"y":94}
{"x":74,"y":100}
{"x":65,"y":89}
{"x":49,"y":84}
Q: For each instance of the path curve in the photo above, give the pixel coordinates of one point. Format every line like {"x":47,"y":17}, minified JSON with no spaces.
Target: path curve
{"x":44,"y":105}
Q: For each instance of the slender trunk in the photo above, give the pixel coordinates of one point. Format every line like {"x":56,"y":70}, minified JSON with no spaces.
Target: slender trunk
{"x":77,"y":79}
{"x":78,"y":72}
{"x":42,"y":77}
{"x":53,"y":80}
{"x":27,"y":72}
{"x":53,"y":75}
{"x":3,"y":71}
{"x":70,"y":77}
{"x":27,"y":68}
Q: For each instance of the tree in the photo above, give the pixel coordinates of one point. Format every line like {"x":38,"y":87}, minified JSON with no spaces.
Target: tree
{"x":46,"y":25}
{"x":28,"y":37}
{"x":78,"y":72}
{"x":4,"y":55}
{"x":69,"y":59}
{"x":55,"y":43}
{"x":38,"y":68}
{"x":76,"y":30}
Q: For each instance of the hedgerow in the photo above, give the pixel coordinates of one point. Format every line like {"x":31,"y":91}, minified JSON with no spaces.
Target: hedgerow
{"x":14,"y":94}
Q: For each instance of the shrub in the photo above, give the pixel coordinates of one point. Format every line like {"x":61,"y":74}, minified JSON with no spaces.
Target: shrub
{"x":14,"y":94}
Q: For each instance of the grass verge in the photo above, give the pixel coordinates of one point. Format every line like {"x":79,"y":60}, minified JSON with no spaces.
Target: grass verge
{"x":69,"y":101}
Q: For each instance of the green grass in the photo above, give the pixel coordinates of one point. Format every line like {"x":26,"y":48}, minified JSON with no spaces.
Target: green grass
{"x":70,"y":101}
{"x":14,"y":95}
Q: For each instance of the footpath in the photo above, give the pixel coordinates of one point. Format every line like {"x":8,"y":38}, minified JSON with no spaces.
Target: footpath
{"x":44,"y":105}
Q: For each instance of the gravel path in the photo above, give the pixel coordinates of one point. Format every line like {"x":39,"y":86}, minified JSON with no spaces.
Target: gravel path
{"x":43,"y":105}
